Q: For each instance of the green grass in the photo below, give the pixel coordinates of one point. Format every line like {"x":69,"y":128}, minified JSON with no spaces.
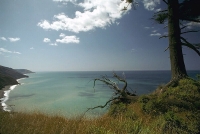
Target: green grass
{"x":176,"y":110}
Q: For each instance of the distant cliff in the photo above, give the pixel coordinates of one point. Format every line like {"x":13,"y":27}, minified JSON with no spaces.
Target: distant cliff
{"x":24,"y":71}
{"x":11,"y":72}
{"x":9,"y":76}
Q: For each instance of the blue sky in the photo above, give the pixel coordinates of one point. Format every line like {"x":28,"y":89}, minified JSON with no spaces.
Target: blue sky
{"x":90,"y":35}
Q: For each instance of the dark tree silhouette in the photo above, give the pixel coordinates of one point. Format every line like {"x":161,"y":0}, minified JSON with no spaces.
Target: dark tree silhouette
{"x":175,"y":14}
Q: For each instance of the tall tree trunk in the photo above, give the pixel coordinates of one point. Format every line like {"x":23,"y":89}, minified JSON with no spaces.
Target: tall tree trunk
{"x":176,"y":56}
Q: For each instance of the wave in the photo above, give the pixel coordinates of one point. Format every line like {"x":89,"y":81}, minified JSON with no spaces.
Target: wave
{"x":20,"y":79}
{"x":6,"y":97}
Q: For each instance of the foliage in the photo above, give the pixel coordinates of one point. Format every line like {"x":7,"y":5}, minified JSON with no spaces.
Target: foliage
{"x":177,"y":106}
{"x":6,"y":80}
{"x":198,"y":77}
{"x":175,"y":110}
{"x":160,"y":17}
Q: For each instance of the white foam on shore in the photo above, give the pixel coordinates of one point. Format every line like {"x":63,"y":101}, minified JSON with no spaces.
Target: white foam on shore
{"x":20,"y":79}
{"x":6,"y":97}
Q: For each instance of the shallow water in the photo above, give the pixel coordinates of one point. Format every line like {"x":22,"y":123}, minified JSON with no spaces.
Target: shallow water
{"x":71,"y":93}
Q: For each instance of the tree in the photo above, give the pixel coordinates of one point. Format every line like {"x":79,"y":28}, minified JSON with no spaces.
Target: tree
{"x":120,"y":94}
{"x":177,"y":12}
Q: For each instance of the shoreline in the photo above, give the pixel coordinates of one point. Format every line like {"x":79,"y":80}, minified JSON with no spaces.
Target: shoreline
{"x":2,"y":92}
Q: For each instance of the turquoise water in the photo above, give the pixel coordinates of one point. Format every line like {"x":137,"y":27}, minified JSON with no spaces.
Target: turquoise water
{"x":71,"y":93}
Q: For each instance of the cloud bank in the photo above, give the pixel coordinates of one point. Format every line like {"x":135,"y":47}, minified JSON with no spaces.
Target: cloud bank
{"x":46,"y":40}
{"x":3,"y":38}
{"x":3,"y":50}
{"x":67,"y":39}
{"x":64,"y":40}
{"x":191,"y":25}
{"x":150,"y":4}
{"x":14,"y":39}
{"x":96,"y":14}
{"x":155,"y":34}
{"x":10,"y":39}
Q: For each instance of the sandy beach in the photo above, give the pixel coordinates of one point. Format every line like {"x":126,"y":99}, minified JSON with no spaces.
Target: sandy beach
{"x":2,"y":94}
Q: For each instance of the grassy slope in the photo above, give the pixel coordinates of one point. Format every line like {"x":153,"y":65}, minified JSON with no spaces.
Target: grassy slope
{"x":177,"y":110}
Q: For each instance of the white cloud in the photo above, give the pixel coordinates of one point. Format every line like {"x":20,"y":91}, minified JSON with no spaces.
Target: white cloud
{"x":3,"y":50}
{"x":165,"y":33}
{"x":32,"y":48}
{"x":3,"y":38}
{"x":96,"y":14}
{"x":154,"y":31}
{"x":155,"y":34}
{"x":191,"y":25}
{"x":46,"y":40}
{"x":14,"y":39}
{"x":64,"y":1}
{"x":53,"y":44}
{"x":16,"y":52}
{"x":68,"y":39}
{"x":158,"y":10}
{"x":62,"y":35}
{"x":150,"y":4}
{"x":132,"y":50}
{"x":148,"y":27}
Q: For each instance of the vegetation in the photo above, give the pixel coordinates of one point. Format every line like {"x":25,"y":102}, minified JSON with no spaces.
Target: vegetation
{"x":6,"y":80}
{"x":175,"y":14}
{"x":175,"y":110}
{"x":8,"y":76}
{"x":11,"y":73}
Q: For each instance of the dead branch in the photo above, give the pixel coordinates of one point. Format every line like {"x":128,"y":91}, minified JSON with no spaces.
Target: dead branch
{"x":183,"y":27}
{"x":166,"y":49}
{"x":121,"y":95}
{"x":189,"y":31}
{"x":164,"y":36}
{"x":101,"y":106}
{"x":165,"y":2}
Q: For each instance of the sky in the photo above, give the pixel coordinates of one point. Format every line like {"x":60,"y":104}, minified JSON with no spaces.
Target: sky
{"x":87,"y":35}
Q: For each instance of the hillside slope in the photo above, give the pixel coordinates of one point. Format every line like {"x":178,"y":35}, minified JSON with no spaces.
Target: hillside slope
{"x":9,"y":76}
{"x":6,"y":71}
{"x":6,"y":80}
{"x":23,"y":71}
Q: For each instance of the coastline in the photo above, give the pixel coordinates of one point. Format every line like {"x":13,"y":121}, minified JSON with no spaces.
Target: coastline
{"x":4,"y":92}
{"x":6,"y":88}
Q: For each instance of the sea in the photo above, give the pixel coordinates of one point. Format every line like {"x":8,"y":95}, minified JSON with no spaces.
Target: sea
{"x":70,"y":94}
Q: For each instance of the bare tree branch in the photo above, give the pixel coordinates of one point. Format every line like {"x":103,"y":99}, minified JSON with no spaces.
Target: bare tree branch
{"x":161,"y":11}
{"x":165,"y":26}
{"x":164,"y":36}
{"x":101,"y":106}
{"x":122,"y":95}
{"x":190,"y":45}
{"x":189,"y":32}
{"x":166,"y":49}
{"x":108,"y":82}
{"x":183,"y":27}
{"x":165,"y":2}
{"x":189,"y":19}
{"x":122,"y":80}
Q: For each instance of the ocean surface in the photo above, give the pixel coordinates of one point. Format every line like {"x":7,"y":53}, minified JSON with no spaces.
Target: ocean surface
{"x":70,"y":94}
